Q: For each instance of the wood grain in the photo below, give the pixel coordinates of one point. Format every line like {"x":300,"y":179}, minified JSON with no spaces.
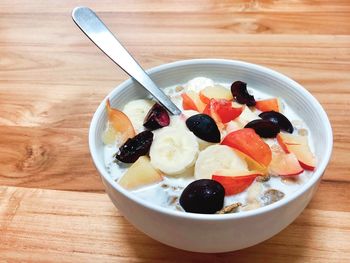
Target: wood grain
{"x":96,"y":231}
{"x":52,"y":79}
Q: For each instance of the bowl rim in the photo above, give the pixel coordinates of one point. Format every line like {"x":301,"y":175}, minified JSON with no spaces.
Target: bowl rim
{"x":213,"y":217}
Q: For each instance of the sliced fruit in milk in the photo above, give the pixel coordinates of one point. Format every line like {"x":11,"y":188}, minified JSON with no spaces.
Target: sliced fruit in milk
{"x":137,"y":110}
{"x":240,"y":93}
{"x":156,"y":118}
{"x":285,"y":164}
{"x":217,"y":157}
{"x":141,"y":173}
{"x":203,"y":196}
{"x":279,"y":119}
{"x":191,"y":101}
{"x":225,"y":111}
{"x":264,"y":128}
{"x":246,"y":116}
{"x":273,"y":104}
{"x":298,"y":145}
{"x":120,"y":122}
{"x":173,"y":150}
{"x":222,"y":110}
{"x":215,"y":92}
{"x":135,"y":147}
{"x":235,"y":181}
{"x":249,"y":143}
{"x":204,"y":127}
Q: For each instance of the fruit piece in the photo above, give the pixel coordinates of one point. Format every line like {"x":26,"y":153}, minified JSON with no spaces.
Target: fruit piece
{"x":120,"y":122}
{"x":285,"y":164}
{"x":279,"y":119}
{"x":273,"y":104}
{"x":204,"y":127}
{"x":173,"y":150}
{"x":203,"y":196}
{"x":264,"y":128}
{"x":156,"y":118}
{"x":225,"y":111}
{"x":191,"y":101}
{"x":135,"y":147}
{"x":140,"y":173}
{"x":247,"y":116}
{"x":214,"y":92}
{"x":240,"y":92}
{"x":215,"y":158}
{"x":235,"y":182}
{"x":249,"y":143}
{"x":299,"y":146}
{"x":137,"y":110}
{"x":253,"y":165}
{"x":188,"y":103}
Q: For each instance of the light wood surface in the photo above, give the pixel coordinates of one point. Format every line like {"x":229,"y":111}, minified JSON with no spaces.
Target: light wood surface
{"x":52,"y":79}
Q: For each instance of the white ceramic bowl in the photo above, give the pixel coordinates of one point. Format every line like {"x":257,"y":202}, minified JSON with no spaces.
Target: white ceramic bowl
{"x":216,"y":233}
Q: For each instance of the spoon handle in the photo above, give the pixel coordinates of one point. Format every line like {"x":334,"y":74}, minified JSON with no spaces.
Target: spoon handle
{"x":103,"y":38}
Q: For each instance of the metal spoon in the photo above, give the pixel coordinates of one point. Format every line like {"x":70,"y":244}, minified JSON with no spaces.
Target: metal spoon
{"x":100,"y":35}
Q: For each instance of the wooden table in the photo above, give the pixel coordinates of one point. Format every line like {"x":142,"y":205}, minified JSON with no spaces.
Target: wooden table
{"x":52,"y":203}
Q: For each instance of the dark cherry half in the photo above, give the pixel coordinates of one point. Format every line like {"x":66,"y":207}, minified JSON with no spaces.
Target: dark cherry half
{"x":135,"y":147}
{"x":279,"y":119}
{"x":156,"y":118}
{"x":203,"y":196}
{"x":264,"y":128}
{"x":240,"y":92}
{"x":204,"y":127}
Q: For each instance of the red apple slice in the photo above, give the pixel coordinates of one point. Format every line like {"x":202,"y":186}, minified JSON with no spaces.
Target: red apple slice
{"x":215,"y":92}
{"x":120,"y":122}
{"x":300,"y":147}
{"x":235,"y":182}
{"x":210,"y":110}
{"x":269,"y":105}
{"x":252,"y":164}
{"x":285,"y":164}
{"x":191,"y":101}
{"x":222,"y":111}
{"x":249,"y":143}
{"x":225,"y":111}
{"x":188,"y":103}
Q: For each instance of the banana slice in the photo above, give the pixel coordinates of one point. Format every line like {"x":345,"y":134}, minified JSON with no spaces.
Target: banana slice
{"x":215,"y":158}
{"x":137,"y":110}
{"x":173,"y":150}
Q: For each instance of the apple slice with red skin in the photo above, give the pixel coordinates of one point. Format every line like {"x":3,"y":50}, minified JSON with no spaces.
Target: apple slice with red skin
{"x":210,"y":110}
{"x":248,"y":142}
{"x":215,"y":92}
{"x":191,"y":101}
{"x":300,"y":147}
{"x":235,"y":182}
{"x":273,"y":104}
{"x":285,"y":164}
{"x":222,"y":111}
{"x":120,"y":122}
{"x":188,"y":103}
{"x":225,"y":111}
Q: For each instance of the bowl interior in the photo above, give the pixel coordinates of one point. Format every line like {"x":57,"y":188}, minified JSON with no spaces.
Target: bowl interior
{"x":259,"y":78}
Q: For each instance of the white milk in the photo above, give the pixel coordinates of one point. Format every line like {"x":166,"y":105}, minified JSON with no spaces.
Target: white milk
{"x":167,"y":192}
